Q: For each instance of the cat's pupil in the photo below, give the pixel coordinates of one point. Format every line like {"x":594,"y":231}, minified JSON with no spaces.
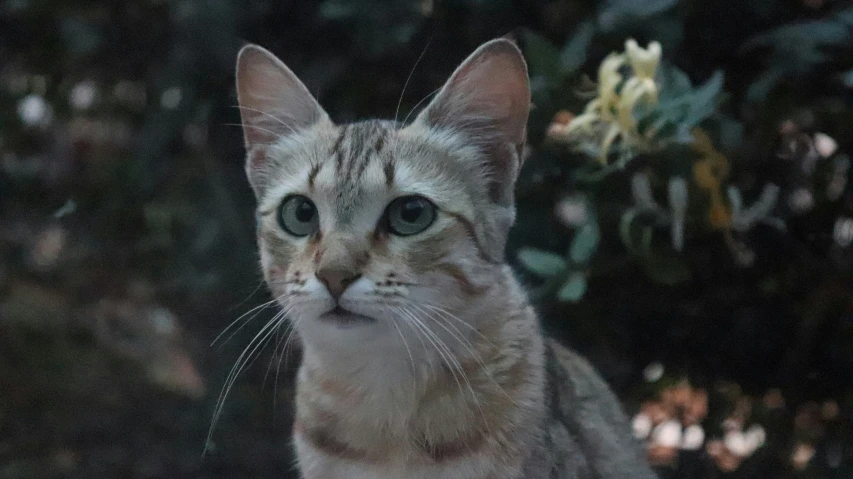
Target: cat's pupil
{"x":304,"y":212}
{"x":412,"y":210}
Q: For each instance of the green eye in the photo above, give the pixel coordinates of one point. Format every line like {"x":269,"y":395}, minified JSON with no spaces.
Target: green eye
{"x":410,"y":215}
{"x":298,"y":216}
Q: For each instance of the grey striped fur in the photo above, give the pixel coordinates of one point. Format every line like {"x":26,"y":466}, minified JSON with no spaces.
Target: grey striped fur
{"x":450,"y":377}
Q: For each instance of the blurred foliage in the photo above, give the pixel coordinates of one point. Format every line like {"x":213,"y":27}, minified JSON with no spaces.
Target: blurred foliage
{"x":686,"y":201}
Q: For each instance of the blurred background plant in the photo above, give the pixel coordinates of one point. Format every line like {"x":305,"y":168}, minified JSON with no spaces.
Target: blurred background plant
{"x":685,"y":218}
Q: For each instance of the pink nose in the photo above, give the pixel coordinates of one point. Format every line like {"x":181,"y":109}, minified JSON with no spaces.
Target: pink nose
{"x":337,"y":280}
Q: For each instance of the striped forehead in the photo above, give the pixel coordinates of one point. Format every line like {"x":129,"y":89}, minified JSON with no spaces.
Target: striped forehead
{"x":359,"y":164}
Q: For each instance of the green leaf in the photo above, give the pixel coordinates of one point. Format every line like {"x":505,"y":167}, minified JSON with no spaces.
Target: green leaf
{"x":666,"y":269}
{"x":81,"y":37}
{"x":796,"y":49}
{"x":574,"y":288}
{"x":542,"y":57}
{"x":704,"y":100}
{"x":337,"y":10}
{"x":585,"y":242}
{"x":800,"y":46}
{"x":676,"y":116}
{"x":593,"y":171}
{"x":636,"y":237}
{"x":618,"y":13}
{"x":731,"y":133}
{"x":542,"y":263}
{"x":573,"y":55}
{"x":847,"y":78}
{"x":673,"y":81}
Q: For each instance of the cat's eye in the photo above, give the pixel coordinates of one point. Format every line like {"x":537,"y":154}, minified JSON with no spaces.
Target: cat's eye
{"x":410,"y":215}
{"x":298,"y":216}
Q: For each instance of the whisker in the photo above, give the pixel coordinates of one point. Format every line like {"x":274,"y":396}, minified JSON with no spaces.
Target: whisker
{"x":255,"y":290}
{"x":415,"y":108}
{"x":260,"y":339}
{"x":428,"y":334}
{"x":269,"y":326}
{"x":236,"y":331}
{"x":457,"y":335}
{"x":279,"y":339}
{"x":461,"y":370}
{"x":280,"y":319}
{"x":451,"y":361}
{"x":411,"y":359}
{"x":402,"y":93}
{"x":257,"y":308}
{"x":448,"y":314}
{"x":467,"y":344}
{"x":290,"y":332}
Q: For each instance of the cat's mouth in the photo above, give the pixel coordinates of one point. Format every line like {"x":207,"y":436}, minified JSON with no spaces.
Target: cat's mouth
{"x":345,"y":317}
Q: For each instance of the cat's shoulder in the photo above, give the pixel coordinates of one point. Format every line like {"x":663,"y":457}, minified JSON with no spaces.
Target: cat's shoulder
{"x":574,"y":375}
{"x":580,"y":401}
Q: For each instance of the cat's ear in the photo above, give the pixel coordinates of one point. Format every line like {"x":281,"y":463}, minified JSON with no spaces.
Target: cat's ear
{"x":487,"y":99}
{"x":273,"y":103}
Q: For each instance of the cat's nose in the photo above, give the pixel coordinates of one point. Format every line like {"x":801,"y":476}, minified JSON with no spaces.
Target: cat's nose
{"x":337,"y":280}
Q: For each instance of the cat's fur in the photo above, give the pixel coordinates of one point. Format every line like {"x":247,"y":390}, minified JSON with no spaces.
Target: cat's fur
{"x":451,"y":378}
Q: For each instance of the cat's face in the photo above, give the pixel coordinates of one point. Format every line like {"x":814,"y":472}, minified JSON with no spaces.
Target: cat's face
{"x":368,"y":228}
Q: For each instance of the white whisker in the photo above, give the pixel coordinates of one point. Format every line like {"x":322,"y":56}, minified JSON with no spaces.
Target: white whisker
{"x":449,"y":358}
{"x":257,"y":342}
{"x":465,"y":343}
{"x":408,"y":78}
{"x":257,"y":308}
{"x":411,"y":359}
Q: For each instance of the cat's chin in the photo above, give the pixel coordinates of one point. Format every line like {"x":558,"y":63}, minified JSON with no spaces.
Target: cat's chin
{"x":345,"y":318}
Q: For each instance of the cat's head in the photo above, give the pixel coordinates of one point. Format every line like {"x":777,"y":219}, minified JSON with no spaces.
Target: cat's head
{"x":362,"y":223}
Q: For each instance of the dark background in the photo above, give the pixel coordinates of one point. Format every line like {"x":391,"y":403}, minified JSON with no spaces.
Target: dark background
{"x":127,"y":241}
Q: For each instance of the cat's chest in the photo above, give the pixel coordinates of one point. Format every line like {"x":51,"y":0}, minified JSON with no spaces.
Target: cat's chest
{"x":320,"y":463}
{"x":333,"y":445}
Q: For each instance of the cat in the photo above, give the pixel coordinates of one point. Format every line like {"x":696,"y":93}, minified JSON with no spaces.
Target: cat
{"x":384,"y":244}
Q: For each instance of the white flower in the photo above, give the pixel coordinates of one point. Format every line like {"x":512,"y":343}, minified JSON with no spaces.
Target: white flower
{"x":736,"y":443}
{"x":825,"y":144}
{"x":171,"y":98}
{"x":642,"y":426}
{"x":83,"y":95}
{"x":34,"y":110}
{"x":801,"y":200}
{"x":692,"y":438}
{"x":744,"y":443}
{"x":572,"y":211}
{"x":843,"y":231}
{"x":653,"y":372}
{"x":755,"y":438}
{"x":667,"y":434}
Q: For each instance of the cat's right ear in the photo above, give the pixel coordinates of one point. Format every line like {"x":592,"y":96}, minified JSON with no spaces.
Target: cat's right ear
{"x":273,"y":104}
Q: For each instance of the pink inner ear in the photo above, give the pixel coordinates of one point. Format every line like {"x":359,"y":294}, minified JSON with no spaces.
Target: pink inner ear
{"x":490,"y":89}
{"x":273,"y":102}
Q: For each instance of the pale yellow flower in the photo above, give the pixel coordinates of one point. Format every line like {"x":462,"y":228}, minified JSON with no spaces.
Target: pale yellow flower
{"x":609,"y":119}
{"x":612,"y":133}
{"x":634,"y":92}
{"x":644,"y":61}
{"x":585,"y":121}
{"x":609,"y":79}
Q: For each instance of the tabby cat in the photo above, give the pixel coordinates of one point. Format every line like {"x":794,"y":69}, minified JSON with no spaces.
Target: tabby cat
{"x":384,"y":244}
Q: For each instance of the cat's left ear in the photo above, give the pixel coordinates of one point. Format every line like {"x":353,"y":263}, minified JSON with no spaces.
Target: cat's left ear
{"x":487,"y":99}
